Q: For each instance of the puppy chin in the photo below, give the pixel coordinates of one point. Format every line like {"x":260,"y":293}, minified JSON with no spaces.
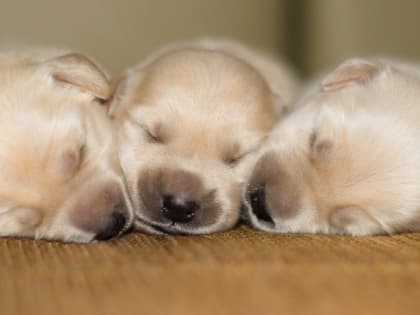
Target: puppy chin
{"x":250,"y":218}
{"x":161,"y":229}
{"x":146,"y":227}
{"x":174,"y":228}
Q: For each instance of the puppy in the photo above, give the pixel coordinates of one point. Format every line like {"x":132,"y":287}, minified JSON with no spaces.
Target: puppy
{"x":347,"y":160}
{"x":60,"y":174}
{"x":186,"y":116}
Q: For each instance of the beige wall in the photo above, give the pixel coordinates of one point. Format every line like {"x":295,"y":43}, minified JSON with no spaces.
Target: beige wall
{"x":117,"y":33}
{"x":316,"y":34}
{"x":335,"y":29}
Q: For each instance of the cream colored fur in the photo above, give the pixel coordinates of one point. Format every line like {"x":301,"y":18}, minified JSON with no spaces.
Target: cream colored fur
{"x":350,"y":155}
{"x":60,"y":175}
{"x":208,"y":103}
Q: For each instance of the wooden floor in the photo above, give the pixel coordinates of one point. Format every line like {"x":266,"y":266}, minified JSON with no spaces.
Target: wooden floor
{"x":239,"y":272}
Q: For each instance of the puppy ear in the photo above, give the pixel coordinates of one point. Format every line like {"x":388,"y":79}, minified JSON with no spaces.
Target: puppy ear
{"x":77,"y":71}
{"x":354,"y":221}
{"x":350,"y":72}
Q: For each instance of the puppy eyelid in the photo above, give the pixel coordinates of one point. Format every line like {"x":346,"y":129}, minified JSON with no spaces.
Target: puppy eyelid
{"x":82,"y":152}
{"x":312,"y":138}
{"x":150,"y":136}
{"x":234,"y":160}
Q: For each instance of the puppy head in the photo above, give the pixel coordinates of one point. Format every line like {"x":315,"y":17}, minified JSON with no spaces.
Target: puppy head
{"x":61,"y":177}
{"x":185,"y":120}
{"x":345,"y":162}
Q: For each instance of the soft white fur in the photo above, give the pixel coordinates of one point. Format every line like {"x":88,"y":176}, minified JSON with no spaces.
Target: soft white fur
{"x":371,"y":174}
{"x":197,"y":110}
{"x":41,"y":119}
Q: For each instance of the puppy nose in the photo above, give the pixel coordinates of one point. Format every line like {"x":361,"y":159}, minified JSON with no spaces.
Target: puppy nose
{"x":178,"y":209}
{"x":114,"y":225}
{"x":256,"y":198}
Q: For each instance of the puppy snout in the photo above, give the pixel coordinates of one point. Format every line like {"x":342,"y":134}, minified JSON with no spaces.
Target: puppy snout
{"x":174,"y":197}
{"x":257,"y":200}
{"x":273,"y":193}
{"x":179,"y":209}
{"x":114,"y":225}
{"x":102,"y":211}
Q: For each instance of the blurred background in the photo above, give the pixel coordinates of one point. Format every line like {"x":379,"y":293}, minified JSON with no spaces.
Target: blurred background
{"x":312,"y":34}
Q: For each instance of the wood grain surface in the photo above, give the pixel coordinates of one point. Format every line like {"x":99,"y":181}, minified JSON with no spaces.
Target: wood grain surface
{"x":238,"y":272}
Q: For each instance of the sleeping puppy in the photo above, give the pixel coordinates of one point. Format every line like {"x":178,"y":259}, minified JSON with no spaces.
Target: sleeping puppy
{"x":348,"y":160}
{"x":186,"y":116}
{"x":60,"y":174}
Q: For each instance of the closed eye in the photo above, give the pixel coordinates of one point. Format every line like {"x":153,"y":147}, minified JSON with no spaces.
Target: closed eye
{"x":82,"y":152}
{"x":232,"y":161}
{"x":82,"y":156}
{"x":151,"y":138}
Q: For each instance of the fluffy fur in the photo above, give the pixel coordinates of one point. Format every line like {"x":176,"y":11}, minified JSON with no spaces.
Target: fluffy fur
{"x":186,"y":116}
{"x":348,"y":160}
{"x":60,"y":174}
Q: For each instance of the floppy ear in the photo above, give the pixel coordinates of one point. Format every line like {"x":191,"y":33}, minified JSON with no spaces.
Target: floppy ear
{"x":350,"y":72}
{"x":77,"y":71}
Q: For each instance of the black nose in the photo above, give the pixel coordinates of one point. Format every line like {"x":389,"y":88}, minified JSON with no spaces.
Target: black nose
{"x":178,"y":209}
{"x":256,"y":198}
{"x":113,"y":227}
